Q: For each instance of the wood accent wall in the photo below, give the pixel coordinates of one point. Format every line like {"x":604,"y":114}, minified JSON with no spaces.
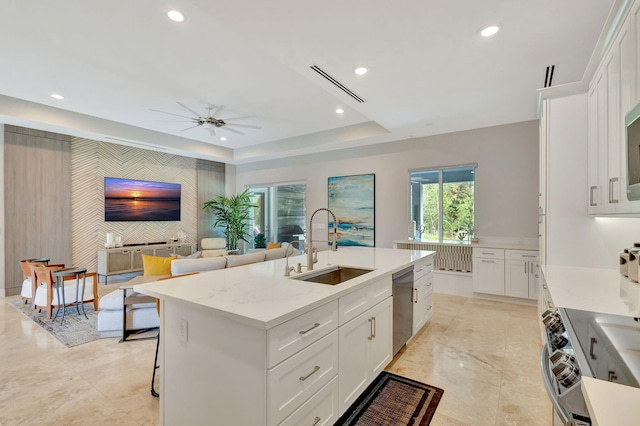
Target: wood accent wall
{"x":210,"y":184}
{"x":37,"y":200}
{"x":54,"y":197}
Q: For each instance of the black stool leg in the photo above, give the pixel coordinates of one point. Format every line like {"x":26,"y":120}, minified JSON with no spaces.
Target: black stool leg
{"x":155,"y":367}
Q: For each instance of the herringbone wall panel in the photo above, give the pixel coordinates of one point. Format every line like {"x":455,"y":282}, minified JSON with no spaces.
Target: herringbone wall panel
{"x":91,"y":162}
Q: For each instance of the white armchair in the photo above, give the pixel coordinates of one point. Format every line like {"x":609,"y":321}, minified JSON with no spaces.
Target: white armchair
{"x":213,"y":247}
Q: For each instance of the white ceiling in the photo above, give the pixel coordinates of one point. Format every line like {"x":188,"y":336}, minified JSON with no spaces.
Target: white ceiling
{"x":430,"y":70}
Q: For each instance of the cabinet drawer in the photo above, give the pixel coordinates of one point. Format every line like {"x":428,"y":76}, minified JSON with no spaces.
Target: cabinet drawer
{"x":292,"y":336}
{"x":137,"y":257}
{"x":423,"y":267}
{"x":294,"y":381}
{"x":323,"y":408}
{"x":488,"y":253}
{"x":429,"y":285}
{"x":353,"y":304}
{"x":526,"y":255}
{"x":119,"y":261}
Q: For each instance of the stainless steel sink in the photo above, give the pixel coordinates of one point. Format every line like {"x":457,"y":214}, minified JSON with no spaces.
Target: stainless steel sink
{"x":333,"y":276}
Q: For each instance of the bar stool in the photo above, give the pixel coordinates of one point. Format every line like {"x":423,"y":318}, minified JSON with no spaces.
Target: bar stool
{"x":60,"y":276}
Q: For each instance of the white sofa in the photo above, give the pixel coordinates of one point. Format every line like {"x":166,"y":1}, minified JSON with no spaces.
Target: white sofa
{"x":144,"y":315}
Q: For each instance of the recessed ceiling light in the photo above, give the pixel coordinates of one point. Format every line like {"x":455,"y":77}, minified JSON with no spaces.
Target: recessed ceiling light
{"x":57,"y":96}
{"x":176,"y":16}
{"x":489,"y":31}
{"x":223,"y":138}
{"x":361,"y":71}
{"x":339,"y":111}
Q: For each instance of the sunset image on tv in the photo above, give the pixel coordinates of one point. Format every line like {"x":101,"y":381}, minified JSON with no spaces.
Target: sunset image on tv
{"x":136,"y":200}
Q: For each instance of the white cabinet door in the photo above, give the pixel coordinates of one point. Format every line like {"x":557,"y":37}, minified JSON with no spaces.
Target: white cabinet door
{"x":488,"y":276}
{"x":419,"y":308}
{"x":594,"y":169}
{"x":381,"y":343}
{"x":365,"y":348}
{"x":521,"y":271}
{"x":534,"y":275}
{"x":517,"y":278}
{"x":353,"y":343}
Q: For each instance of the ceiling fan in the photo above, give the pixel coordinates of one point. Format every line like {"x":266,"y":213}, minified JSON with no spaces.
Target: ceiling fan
{"x":211,"y":120}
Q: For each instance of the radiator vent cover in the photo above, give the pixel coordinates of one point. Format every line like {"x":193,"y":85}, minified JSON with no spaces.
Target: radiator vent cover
{"x":336,"y":83}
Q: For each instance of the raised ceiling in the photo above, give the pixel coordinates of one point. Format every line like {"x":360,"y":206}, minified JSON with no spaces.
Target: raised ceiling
{"x":430,"y":71}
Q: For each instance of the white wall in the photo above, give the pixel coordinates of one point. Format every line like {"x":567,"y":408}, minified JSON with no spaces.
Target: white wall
{"x":507,"y":177}
{"x":573,"y":237}
{"x":2,"y":242}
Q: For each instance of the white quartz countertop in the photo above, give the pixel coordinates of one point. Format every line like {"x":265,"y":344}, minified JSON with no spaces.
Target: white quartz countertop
{"x":611,"y":404}
{"x":592,"y":289}
{"x":261,"y":296}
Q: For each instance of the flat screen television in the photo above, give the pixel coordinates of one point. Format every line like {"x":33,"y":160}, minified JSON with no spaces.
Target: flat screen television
{"x":632,"y":142}
{"x":128,"y":200}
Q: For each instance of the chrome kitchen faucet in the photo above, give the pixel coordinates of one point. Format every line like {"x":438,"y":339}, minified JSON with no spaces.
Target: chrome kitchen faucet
{"x":334,"y":242}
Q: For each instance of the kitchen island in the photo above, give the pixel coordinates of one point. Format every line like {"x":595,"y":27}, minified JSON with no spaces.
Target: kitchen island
{"x":248,"y":345}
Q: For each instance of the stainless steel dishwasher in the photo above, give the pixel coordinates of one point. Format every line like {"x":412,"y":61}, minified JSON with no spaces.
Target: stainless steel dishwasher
{"x":402,"y":308}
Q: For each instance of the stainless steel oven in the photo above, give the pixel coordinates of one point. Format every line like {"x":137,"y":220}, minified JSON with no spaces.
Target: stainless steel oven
{"x":581,"y":343}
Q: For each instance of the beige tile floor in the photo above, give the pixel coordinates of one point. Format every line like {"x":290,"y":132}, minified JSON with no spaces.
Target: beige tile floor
{"x":483,"y":354}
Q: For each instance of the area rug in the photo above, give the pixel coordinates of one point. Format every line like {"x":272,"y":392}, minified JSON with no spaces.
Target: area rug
{"x":392,"y":400}
{"x":75,"y":330}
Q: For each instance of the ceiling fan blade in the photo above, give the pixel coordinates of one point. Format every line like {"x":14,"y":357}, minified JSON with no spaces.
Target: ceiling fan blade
{"x":190,"y":127}
{"x":170,"y":113}
{"x":232,"y":130}
{"x":176,"y":121}
{"x":188,"y":109}
{"x":240,"y":118}
{"x":218,"y":111}
{"x":248,"y":126}
{"x":212,"y":130}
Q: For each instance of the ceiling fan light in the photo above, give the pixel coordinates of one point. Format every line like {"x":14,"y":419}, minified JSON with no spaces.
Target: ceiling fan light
{"x":208,"y":125}
{"x":175,"y":16}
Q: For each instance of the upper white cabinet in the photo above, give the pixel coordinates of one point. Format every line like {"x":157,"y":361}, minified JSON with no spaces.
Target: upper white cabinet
{"x":612,"y":93}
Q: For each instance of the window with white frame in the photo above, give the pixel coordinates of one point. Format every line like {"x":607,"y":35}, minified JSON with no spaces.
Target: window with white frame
{"x":442,"y":203}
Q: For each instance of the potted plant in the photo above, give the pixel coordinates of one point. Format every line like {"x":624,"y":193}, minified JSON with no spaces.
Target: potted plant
{"x":260,"y":241}
{"x":233,"y":214}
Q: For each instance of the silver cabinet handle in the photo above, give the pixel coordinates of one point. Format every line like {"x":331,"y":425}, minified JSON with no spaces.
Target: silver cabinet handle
{"x":593,"y":342}
{"x":488,"y":261}
{"x":315,"y":369}
{"x":525,"y":267}
{"x":316,"y":421}
{"x":489,"y":253}
{"x":370,"y":328}
{"x":415,"y":290}
{"x":125,"y":251}
{"x":429,"y":264}
{"x":373,"y":322}
{"x":316,"y":325}
{"x":611,"y":199}
{"x":591,"y":202}
{"x":529,"y":255}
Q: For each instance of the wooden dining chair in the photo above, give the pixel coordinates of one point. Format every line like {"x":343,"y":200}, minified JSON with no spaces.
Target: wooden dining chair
{"x":28,"y":277}
{"x":46,"y":283}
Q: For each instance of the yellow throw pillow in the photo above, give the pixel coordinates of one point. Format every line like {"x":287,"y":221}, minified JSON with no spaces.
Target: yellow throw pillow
{"x":273,"y":245}
{"x":155,"y":265}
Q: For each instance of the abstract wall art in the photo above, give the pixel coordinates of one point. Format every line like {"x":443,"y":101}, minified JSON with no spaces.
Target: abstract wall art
{"x":352,"y":200}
